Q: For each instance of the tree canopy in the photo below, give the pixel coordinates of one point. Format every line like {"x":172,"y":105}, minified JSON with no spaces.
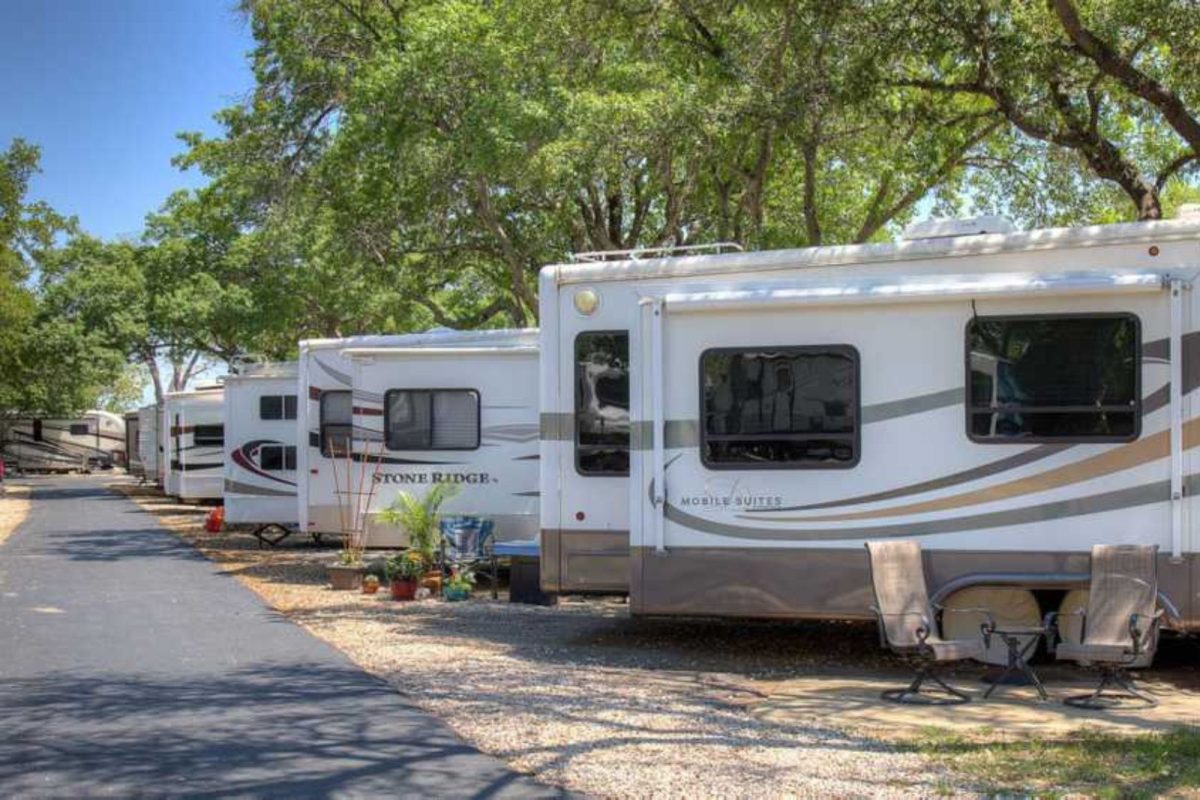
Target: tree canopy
{"x":406,"y":163}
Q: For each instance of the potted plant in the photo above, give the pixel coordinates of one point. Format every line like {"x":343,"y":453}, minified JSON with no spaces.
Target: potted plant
{"x":458,"y":586}
{"x":420,"y":517}
{"x":370,"y":584}
{"x":347,"y":573}
{"x":404,"y":572}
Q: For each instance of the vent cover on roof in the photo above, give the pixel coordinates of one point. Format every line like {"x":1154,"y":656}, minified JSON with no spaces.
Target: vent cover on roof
{"x":970,"y":226}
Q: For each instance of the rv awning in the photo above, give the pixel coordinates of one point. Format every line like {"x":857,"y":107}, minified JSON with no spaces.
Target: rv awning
{"x":924,"y":287}
{"x":375,"y":352}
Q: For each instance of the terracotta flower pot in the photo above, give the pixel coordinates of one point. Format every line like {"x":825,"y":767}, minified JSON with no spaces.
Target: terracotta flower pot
{"x":432,"y":581}
{"x":345,"y":578}
{"x":370,"y":587}
{"x":404,"y":589}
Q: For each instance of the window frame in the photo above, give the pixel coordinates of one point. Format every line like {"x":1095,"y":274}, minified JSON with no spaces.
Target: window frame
{"x":208,"y":443}
{"x":387,"y":404}
{"x":575,"y":402}
{"x":322,"y":441}
{"x":284,"y":451}
{"x":282,"y":399}
{"x":784,"y":465}
{"x":1019,"y":440}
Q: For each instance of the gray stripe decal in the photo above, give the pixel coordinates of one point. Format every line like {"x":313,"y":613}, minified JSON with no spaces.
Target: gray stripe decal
{"x":1146,"y":494}
{"x":237,"y":487}
{"x":340,"y":377}
{"x":912,"y":405}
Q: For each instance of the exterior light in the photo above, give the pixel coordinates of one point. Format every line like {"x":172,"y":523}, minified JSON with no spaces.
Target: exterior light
{"x":587,"y":301}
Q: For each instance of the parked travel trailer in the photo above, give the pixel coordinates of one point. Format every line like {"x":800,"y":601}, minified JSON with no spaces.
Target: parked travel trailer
{"x":260,"y":445}
{"x":95,"y":440}
{"x":335,"y":414}
{"x":133,"y":460}
{"x":149,"y":444}
{"x":195,"y":443}
{"x":463,"y":411}
{"x":721,"y":433}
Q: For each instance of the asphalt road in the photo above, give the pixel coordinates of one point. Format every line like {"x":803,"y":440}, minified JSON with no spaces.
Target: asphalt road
{"x":130,"y":667}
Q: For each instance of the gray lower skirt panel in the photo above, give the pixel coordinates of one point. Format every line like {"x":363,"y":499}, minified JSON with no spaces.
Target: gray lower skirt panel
{"x":834,"y":583}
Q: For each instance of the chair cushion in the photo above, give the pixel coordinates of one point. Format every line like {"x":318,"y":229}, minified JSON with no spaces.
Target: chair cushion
{"x":1071,"y":651}
{"x":957,"y":649}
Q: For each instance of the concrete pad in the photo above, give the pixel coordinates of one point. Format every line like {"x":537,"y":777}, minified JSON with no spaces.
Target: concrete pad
{"x":853,"y":703}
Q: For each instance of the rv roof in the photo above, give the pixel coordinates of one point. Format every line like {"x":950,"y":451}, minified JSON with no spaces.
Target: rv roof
{"x":274,"y":369}
{"x":437,"y":336}
{"x":847,"y":255}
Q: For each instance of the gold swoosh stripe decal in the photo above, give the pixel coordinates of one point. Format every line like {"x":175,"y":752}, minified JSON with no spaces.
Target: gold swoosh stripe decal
{"x":1143,"y":451}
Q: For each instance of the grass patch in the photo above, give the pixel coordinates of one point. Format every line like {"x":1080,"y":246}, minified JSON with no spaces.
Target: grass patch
{"x":1094,"y":764}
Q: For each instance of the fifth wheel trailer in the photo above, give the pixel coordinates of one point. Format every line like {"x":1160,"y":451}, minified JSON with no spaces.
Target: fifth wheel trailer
{"x":94,"y":440}
{"x":260,"y":445}
{"x":722,"y":433}
{"x":194,"y":442}
{"x":335,"y":414}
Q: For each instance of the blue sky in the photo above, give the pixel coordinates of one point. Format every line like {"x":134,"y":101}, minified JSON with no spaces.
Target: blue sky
{"x":103,"y":86}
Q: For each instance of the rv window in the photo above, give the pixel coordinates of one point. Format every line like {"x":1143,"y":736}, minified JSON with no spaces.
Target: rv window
{"x":1039,"y":378}
{"x":79,"y":429}
{"x":602,"y":403}
{"x":428,"y":419}
{"x":208,"y":435}
{"x":37,"y":430}
{"x":780,"y":407}
{"x":277,"y":457}
{"x":277,"y":406}
{"x":337,"y":423}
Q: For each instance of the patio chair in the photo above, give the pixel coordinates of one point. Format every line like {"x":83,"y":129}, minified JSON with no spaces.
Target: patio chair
{"x":908,"y":624}
{"x":468,"y":542}
{"x":1119,"y":624}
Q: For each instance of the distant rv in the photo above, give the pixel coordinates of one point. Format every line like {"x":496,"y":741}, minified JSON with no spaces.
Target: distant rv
{"x":260,"y":445}
{"x":195,"y":443}
{"x":384,"y":414}
{"x":95,"y":440}
{"x":149,"y":443}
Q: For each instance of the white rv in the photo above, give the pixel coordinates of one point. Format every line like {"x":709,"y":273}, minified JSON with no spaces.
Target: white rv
{"x":133,"y":459}
{"x":260,"y":445}
{"x":96,"y":440}
{"x":149,"y":445}
{"x":462,"y":410}
{"x":335,"y":414}
{"x":195,"y":443}
{"x":722,"y":433}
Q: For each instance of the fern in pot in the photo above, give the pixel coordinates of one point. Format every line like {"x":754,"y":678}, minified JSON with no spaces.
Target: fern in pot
{"x":420,"y":517}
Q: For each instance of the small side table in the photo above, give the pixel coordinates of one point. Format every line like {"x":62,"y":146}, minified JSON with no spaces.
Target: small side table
{"x":1018,"y":655}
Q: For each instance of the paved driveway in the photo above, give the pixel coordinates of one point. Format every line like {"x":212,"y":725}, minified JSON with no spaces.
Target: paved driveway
{"x":130,"y":666}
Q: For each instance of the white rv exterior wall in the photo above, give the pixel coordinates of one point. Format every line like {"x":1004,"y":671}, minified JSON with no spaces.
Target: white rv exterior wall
{"x":497,"y":480}
{"x":194,"y":472}
{"x":254,"y":494}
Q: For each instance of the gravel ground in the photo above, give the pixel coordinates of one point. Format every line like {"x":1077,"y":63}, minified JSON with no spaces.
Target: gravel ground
{"x":583,"y":695}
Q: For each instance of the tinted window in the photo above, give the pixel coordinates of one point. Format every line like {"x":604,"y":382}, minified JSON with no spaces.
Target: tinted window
{"x":79,"y":429}
{"x":270,"y":457}
{"x":209,"y":435}
{"x":275,"y":457}
{"x":422,"y":419}
{"x":1048,"y":378}
{"x":602,"y":403}
{"x":277,"y":406}
{"x":337,"y":423}
{"x":780,"y":407}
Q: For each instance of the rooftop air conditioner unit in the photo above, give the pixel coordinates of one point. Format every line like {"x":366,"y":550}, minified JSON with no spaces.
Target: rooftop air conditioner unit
{"x":970,"y":226}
